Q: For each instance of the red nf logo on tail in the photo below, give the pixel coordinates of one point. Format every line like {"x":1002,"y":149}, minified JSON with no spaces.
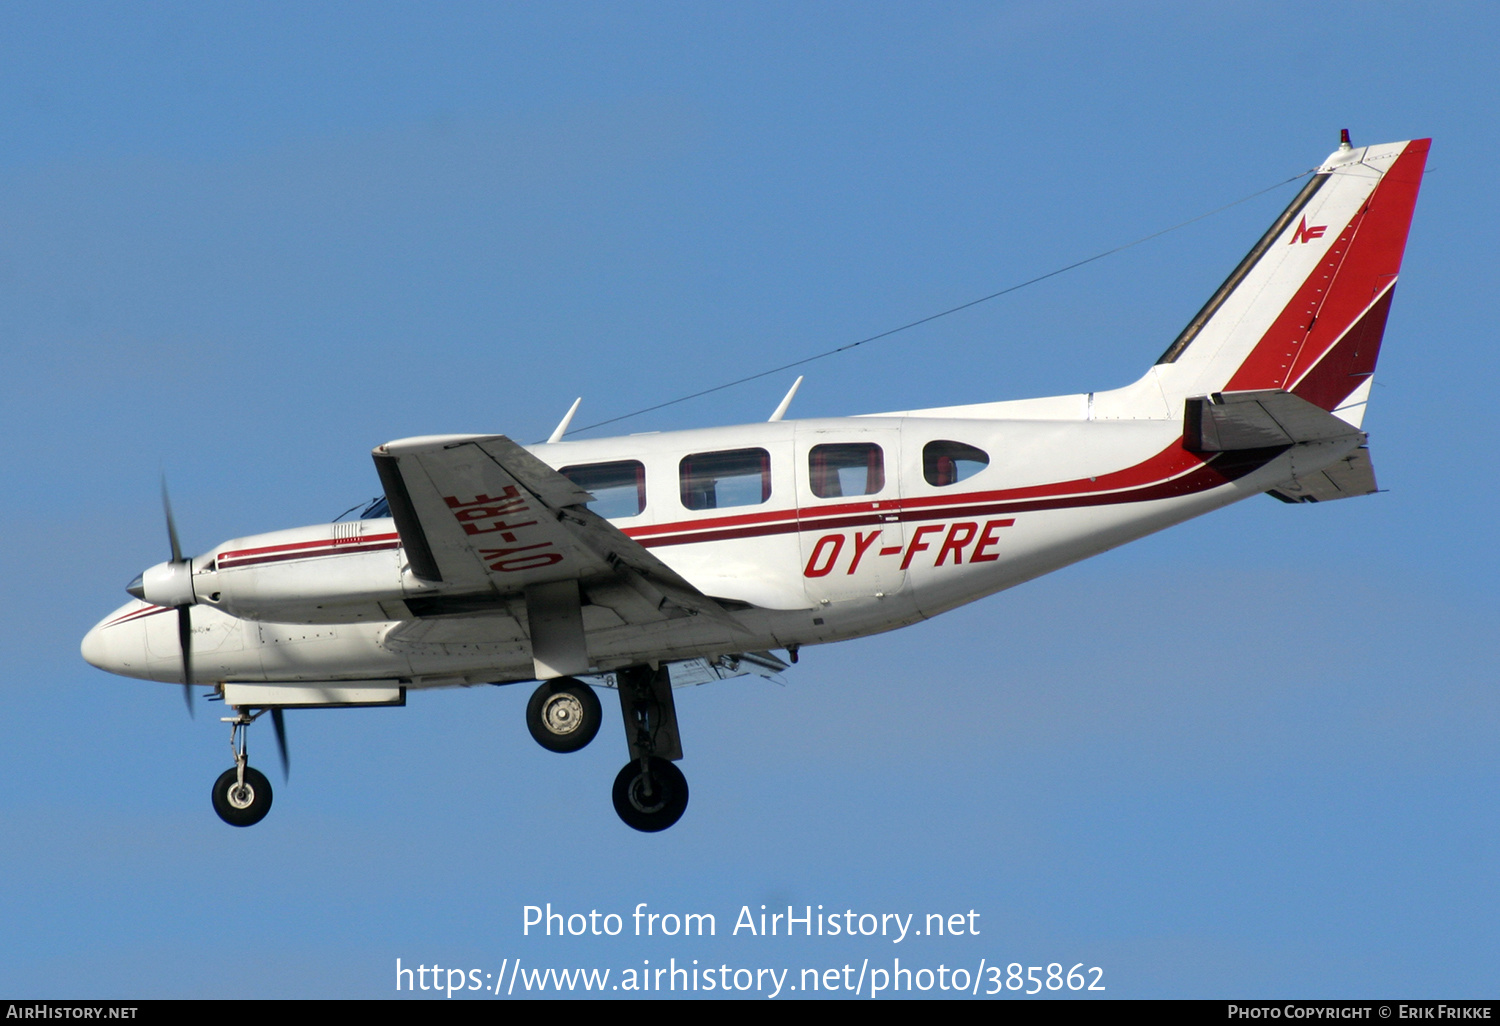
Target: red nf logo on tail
{"x":1306,"y":234}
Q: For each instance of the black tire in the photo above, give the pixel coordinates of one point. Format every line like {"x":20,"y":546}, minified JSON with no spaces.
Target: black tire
{"x":245,"y":809}
{"x":666,"y":803}
{"x":563,"y":715}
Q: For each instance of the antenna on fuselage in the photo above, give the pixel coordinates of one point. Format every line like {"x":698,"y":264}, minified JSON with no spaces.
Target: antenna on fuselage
{"x":562,"y":425}
{"x":781,"y":410}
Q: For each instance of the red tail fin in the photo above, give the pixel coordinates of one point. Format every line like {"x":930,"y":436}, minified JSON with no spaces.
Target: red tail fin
{"x":1305,"y":311}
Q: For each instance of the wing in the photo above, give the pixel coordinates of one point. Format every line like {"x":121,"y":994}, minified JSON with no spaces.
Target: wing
{"x":482,"y":520}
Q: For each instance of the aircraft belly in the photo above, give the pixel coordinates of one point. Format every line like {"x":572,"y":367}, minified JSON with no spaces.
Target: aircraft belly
{"x":295,"y":652}
{"x":683,"y":638}
{"x":468,"y":663}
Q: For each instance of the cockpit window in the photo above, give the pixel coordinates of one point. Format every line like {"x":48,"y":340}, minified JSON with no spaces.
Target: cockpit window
{"x":715,"y":480}
{"x":619,"y":488}
{"x":946,"y":463}
{"x":373,"y":509}
{"x":852,"y":468}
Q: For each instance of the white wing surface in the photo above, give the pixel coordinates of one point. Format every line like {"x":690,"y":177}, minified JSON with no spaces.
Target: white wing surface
{"x":483,"y":521}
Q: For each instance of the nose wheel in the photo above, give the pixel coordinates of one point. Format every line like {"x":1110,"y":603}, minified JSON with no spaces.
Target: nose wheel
{"x":240,"y":802}
{"x":242,"y":794}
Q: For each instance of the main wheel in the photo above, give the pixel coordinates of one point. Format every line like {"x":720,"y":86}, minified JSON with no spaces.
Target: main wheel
{"x":242,"y":806}
{"x":563,"y":715}
{"x":659,"y":809}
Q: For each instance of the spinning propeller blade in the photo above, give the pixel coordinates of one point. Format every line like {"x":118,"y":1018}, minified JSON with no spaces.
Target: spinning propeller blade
{"x":184,"y":619}
{"x":166,"y":505}
{"x":185,"y":639}
{"x":279,"y":722}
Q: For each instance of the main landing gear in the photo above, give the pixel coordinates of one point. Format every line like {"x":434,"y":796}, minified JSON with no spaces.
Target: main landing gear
{"x":242,"y":795}
{"x":563,"y":715}
{"x":650,"y":793}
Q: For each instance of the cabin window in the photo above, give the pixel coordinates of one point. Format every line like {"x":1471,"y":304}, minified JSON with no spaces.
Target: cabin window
{"x":852,"y":468}
{"x":716,"y":480}
{"x":946,"y":463}
{"x":619,"y":488}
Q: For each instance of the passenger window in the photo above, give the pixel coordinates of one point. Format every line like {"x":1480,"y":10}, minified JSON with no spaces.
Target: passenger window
{"x":619,"y":488}
{"x":854,"y":468}
{"x":716,"y":480}
{"x":945,"y":463}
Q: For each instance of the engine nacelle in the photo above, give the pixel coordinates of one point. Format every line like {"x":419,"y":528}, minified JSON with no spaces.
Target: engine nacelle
{"x":333,"y":573}
{"x":165,"y":584}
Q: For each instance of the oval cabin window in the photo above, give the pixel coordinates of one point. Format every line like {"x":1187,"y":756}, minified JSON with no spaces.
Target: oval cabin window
{"x":946,"y":463}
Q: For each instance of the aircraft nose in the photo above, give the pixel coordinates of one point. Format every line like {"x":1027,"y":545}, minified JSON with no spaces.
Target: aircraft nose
{"x":116,"y":645}
{"x":94,"y":648}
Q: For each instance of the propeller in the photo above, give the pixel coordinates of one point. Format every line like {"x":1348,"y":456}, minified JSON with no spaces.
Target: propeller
{"x":184,"y":618}
{"x":279,"y":722}
{"x":171,"y":584}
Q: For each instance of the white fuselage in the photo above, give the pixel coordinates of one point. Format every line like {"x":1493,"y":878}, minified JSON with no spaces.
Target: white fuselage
{"x":792,"y":563}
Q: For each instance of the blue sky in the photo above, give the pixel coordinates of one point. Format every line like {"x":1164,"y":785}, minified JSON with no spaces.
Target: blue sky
{"x":243,"y":244}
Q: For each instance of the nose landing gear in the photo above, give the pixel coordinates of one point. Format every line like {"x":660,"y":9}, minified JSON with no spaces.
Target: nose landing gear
{"x":240,"y":802}
{"x":242,"y":795}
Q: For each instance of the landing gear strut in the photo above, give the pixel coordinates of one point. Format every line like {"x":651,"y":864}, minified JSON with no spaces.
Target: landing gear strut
{"x":563,"y":715}
{"x":242,"y":795}
{"x":650,"y":793}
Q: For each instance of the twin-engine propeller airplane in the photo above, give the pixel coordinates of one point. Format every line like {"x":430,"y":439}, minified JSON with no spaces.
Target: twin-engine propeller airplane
{"x":648,"y":561}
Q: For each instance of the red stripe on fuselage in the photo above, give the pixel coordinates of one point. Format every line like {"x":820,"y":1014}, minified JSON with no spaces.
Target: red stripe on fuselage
{"x":1171,"y":472}
{"x":306,"y":550}
{"x":136,"y":614}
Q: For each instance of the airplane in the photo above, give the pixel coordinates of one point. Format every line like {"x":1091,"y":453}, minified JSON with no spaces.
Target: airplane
{"x":650,"y":561}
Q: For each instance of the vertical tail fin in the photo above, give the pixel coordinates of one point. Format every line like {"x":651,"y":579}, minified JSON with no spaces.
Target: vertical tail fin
{"x":1305,"y":310}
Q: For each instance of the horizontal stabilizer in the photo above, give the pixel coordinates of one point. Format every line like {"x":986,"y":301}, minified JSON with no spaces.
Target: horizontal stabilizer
{"x":1353,"y":475}
{"x":1230,"y":421}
